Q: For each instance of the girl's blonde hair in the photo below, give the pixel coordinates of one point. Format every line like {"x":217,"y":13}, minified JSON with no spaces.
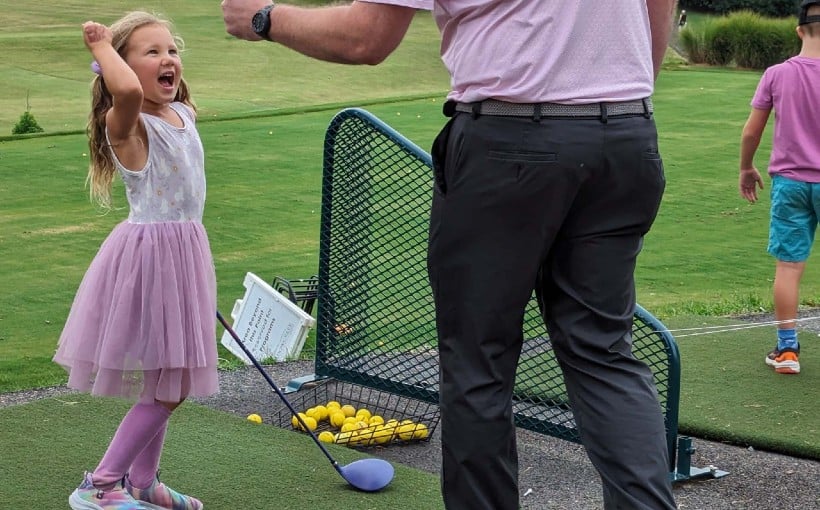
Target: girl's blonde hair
{"x":101,"y":169}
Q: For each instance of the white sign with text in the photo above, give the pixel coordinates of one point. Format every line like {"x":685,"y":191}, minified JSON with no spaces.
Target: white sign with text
{"x":268,"y":323}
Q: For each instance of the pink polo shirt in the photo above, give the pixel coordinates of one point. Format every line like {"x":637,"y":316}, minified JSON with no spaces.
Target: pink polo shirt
{"x":792,"y":89}
{"x":528,"y":51}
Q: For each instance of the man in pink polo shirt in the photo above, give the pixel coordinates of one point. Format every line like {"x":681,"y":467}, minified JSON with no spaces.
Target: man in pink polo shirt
{"x":547,"y":177}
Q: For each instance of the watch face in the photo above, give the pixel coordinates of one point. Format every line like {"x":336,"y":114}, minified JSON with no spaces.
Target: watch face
{"x":258,"y":23}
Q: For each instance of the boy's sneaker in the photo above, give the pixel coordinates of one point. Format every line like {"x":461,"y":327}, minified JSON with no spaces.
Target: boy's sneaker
{"x":786,"y":361}
{"x":88,"y":497}
{"x":161,"y":497}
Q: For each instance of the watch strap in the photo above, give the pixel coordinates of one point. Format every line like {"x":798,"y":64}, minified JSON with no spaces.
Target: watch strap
{"x":261,"y":22}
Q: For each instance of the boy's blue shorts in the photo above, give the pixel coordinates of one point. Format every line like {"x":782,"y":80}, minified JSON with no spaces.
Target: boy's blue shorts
{"x":795,"y":207}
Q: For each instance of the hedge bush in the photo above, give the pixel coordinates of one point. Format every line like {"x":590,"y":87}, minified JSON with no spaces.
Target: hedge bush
{"x":744,"y":39}
{"x":718,"y":42}
{"x":27,"y":124}
{"x":758,"y":43}
{"x":771,"y":8}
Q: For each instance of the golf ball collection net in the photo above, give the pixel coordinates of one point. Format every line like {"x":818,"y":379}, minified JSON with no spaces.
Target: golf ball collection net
{"x":359,"y":416}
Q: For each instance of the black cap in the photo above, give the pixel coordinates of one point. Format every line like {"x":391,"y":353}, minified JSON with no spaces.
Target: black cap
{"x":804,"y":12}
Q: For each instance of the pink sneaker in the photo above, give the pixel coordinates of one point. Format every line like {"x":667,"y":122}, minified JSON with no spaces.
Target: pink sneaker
{"x":159,"y":496}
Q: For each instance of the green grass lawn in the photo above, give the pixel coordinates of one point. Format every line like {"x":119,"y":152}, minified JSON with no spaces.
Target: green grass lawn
{"x":208,"y":453}
{"x":707,"y":249}
{"x":228,"y":77}
{"x":728,"y":393}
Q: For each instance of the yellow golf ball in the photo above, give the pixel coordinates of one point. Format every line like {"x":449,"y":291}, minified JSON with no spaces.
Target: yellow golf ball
{"x":310,"y":422}
{"x":382,"y":434}
{"x":337,"y":418}
{"x":356,"y":438}
{"x":321,"y":413}
{"x":405,"y":431}
{"x":391,"y":426}
{"x":295,"y":421}
{"x":255,"y":418}
{"x":421,"y":431}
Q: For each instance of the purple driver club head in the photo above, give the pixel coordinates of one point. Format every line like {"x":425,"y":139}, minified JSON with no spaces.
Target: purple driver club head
{"x":369,"y":475}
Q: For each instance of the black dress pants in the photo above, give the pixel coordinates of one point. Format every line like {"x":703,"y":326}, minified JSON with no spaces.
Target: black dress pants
{"x":560,"y":206}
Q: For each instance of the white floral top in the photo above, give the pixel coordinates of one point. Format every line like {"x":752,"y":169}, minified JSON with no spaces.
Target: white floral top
{"x":171,"y":185}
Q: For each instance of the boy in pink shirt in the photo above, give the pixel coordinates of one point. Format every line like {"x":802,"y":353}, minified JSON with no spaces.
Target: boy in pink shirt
{"x":792,"y":89}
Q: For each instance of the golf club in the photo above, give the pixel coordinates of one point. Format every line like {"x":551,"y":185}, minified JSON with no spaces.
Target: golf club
{"x":369,"y":475}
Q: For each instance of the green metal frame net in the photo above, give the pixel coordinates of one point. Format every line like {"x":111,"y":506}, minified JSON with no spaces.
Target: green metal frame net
{"x":376,"y":323}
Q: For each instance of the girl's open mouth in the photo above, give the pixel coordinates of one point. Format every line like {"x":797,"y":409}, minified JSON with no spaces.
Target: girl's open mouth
{"x":167,"y":79}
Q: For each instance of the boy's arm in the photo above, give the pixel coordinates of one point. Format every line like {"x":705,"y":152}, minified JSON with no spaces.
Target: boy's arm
{"x":750,"y":179}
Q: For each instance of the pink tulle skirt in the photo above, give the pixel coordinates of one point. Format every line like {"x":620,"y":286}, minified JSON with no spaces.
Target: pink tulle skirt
{"x":143,"y":322}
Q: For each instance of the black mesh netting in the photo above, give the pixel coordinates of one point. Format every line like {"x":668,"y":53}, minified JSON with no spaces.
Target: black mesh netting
{"x":375,"y":309}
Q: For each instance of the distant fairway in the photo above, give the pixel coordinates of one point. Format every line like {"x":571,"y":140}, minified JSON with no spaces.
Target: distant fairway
{"x":227,"y":76}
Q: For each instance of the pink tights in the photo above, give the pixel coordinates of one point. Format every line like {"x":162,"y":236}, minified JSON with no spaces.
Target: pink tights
{"x":135,"y":448}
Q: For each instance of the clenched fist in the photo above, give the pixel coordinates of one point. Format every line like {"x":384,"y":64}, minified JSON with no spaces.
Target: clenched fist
{"x":237,"y":15}
{"x":95,"y":34}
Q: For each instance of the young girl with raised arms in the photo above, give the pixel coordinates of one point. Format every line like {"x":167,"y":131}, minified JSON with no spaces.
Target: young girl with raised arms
{"x":143,"y":322}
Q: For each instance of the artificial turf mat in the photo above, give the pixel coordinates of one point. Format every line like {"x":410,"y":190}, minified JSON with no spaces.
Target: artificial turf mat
{"x":224,"y":460}
{"x":729,"y":394}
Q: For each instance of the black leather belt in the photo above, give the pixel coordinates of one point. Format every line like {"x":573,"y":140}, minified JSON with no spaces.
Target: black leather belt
{"x":640,"y":107}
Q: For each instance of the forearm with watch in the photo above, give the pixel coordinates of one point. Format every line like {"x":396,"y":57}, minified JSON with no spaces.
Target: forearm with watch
{"x":358,"y":33}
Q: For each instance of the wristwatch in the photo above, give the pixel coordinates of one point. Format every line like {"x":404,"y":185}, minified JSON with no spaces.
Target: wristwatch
{"x":260,"y":23}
